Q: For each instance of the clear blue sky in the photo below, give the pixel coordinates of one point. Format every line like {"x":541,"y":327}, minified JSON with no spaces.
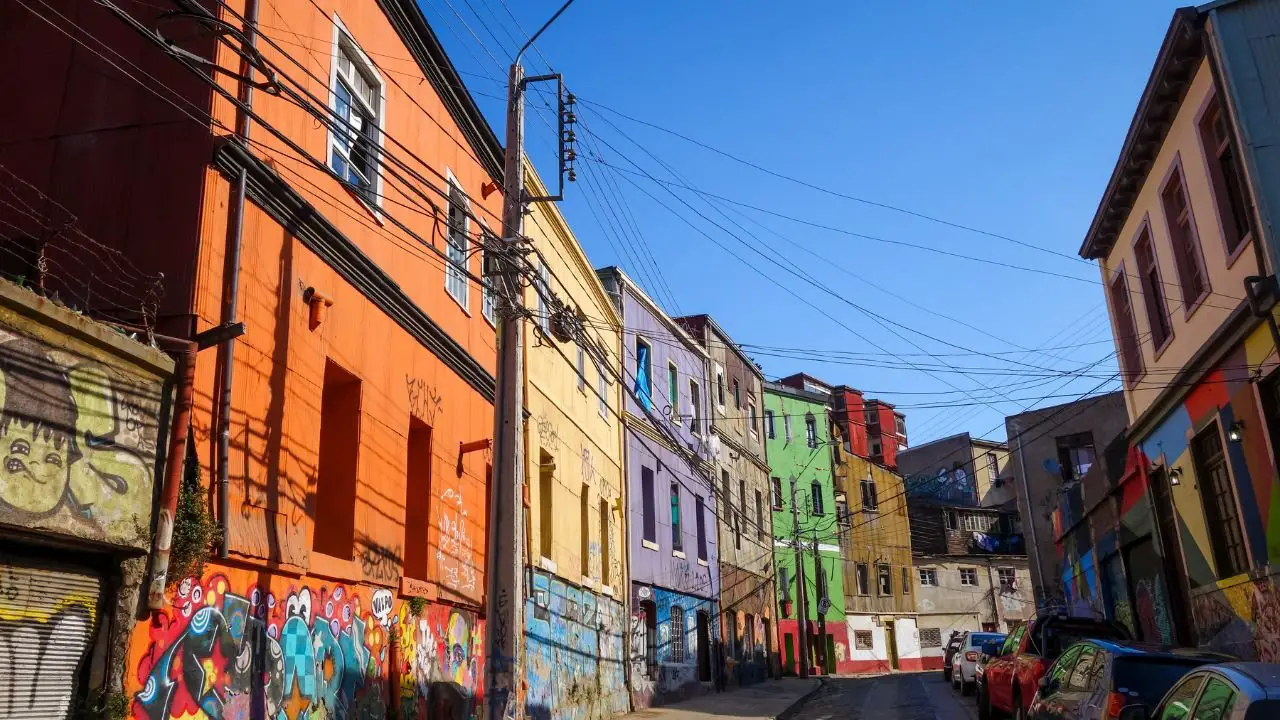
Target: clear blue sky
{"x":1003,"y":116}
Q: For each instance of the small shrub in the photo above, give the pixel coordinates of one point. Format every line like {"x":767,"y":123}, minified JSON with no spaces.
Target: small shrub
{"x":194,"y":529}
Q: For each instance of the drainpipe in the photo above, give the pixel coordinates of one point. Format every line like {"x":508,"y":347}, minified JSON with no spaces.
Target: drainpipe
{"x":185,"y":352}
{"x":231,"y":282}
{"x":1031,"y":516}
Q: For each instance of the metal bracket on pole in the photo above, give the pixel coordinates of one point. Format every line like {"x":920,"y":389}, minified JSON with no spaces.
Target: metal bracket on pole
{"x":566,"y":119}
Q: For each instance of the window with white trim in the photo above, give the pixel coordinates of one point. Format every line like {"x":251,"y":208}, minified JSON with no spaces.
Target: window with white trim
{"x":969,"y":577}
{"x":455,"y":275}
{"x":928,"y":577}
{"x":488,"y":300}
{"x":544,"y":308}
{"x":355,"y":140}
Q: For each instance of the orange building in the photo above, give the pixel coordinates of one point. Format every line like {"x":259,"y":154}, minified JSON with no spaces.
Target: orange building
{"x":353,"y":485}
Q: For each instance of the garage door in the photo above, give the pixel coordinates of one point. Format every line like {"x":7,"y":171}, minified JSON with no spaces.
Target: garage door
{"x":47,"y":619}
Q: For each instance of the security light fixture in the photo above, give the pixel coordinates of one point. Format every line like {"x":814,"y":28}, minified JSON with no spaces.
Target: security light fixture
{"x":1236,"y":432}
{"x":1175,"y":475}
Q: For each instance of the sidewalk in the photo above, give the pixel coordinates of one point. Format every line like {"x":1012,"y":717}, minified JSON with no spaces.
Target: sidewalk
{"x":763,"y":701}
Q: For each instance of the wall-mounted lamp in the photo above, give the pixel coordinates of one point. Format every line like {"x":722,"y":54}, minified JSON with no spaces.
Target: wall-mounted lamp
{"x":1236,"y":432}
{"x":1175,"y":475}
{"x":488,"y":189}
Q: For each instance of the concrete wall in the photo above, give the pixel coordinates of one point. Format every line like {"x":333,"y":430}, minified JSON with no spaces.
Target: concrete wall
{"x":951,"y":606}
{"x":954,"y":470}
{"x":1037,"y":473}
{"x":901,"y":631}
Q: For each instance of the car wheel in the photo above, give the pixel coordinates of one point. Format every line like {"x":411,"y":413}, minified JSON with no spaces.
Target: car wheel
{"x":966,"y":688}
{"x":984,"y":705}
{"x":1019,"y":712}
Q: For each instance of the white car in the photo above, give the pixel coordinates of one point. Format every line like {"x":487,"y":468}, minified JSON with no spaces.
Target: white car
{"x":965,"y":664}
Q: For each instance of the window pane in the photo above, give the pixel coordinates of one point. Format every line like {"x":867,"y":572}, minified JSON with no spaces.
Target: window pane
{"x":1178,"y":704}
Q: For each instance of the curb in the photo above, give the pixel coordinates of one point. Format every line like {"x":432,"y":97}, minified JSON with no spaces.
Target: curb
{"x":795,"y":706}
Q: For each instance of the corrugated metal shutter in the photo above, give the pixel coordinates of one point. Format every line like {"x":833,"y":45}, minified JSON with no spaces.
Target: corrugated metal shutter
{"x":47,"y":619}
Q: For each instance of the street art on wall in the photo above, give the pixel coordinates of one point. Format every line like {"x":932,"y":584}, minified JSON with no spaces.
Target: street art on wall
{"x":291,"y":650}
{"x":1242,"y":619}
{"x":573,"y":652}
{"x":677,"y":674}
{"x":78,"y":442}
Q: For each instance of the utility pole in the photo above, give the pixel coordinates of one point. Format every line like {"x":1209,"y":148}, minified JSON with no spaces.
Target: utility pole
{"x":820,"y":577}
{"x":800,"y":596}
{"x":504,"y":636}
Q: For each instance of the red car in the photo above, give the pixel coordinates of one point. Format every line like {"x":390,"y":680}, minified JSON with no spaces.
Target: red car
{"x":1010,"y":680}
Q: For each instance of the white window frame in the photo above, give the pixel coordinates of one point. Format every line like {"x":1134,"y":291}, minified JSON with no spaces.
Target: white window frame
{"x":343,"y":37}
{"x":488,"y":299}
{"x":928,"y":577}
{"x":751,"y":417}
{"x":544,"y":309}
{"x":602,"y":389}
{"x":968,"y":573}
{"x":786,"y":425}
{"x":720,"y":387}
{"x":582,"y":369}
{"x":452,"y":273}
{"x":695,"y":412}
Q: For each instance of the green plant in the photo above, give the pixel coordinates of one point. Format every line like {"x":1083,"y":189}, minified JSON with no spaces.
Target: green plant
{"x":100,"y":704}
{"x":417,"y":605}
{"x":194,"y":529}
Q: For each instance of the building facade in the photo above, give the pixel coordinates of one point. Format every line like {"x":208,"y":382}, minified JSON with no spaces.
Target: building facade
{"x":738,"y":421}
{"x":339,"y":441}
{"x":672,"y":511}
{"x":971,"y":573}
{"x":804,"y":524}
{"x":1052,"y":451}
{"x":575,"y":618}
{"x":875,"y":544}
{"x":959,"y":470}
{"x":1184,"y":223}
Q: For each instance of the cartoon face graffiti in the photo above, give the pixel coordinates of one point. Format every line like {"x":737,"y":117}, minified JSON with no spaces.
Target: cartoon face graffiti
{"x":37,"y":430}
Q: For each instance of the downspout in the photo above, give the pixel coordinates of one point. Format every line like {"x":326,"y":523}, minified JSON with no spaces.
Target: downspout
{"x":1031,"y":519}
{"x":231,"y":281}
{"x":185,"y":372}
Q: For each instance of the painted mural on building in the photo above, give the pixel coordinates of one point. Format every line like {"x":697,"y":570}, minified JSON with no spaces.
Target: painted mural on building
{"x":573,"y":652}
{"x":78,"y":442}
{"x":303,"y":649}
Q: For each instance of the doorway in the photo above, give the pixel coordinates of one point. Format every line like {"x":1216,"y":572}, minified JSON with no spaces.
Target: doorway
{"x":704,"y":647}
{"x":1171,"y":545}
{"x":789,"y":651}
{"x":891,"y":644}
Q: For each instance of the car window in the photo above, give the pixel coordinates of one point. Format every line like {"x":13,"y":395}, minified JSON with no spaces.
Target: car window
{"x":1082,"y":674}
{"x":977,"y":640}
{"x":1061,"y":669}
{"x":1178,"y":703}
{"x":1011,"y":643}
{"x":1149,"y":678}
{"x":1215,"y":701}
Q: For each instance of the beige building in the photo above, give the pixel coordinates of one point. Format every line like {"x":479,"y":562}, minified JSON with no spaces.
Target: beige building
{"x":959,"y":469}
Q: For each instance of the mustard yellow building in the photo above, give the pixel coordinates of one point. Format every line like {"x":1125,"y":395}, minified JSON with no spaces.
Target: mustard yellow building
{"x":575,"y":614}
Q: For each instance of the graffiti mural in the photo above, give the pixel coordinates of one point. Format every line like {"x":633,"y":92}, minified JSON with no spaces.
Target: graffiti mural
{"x":77,"y":443}
{"x":573,"y":652}
{"x":677,"y":673}
{"x":307,"y":650}
{"x":1242,"y":619}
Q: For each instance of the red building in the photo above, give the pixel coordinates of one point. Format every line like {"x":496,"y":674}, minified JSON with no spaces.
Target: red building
{"x":872,"y":429}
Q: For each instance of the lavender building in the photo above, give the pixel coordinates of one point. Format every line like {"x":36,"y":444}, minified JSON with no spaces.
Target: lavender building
{"x":672,"y":513}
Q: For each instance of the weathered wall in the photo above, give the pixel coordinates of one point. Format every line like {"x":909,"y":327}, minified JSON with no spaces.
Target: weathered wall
{"x":952,"y":606}
{"x":1037,"y":473}
{"x":876,"y":657}
{"x":672,"y":677}
{"x":875,"y":537}
{"x":232,"y":641}
{"x":941,"y":470}
{"x":573,"y":651}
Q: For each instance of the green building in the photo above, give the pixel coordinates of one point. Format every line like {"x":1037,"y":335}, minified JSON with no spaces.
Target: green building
{"x":798,"y":438}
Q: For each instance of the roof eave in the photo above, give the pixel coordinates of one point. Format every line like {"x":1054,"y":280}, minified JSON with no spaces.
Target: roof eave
{"x":1166,"y":87}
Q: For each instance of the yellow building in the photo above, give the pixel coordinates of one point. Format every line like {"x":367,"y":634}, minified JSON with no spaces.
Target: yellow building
{"x":875,"y":543}
{"x":575,"y":615}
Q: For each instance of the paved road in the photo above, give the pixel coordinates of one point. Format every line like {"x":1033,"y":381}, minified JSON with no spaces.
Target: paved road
{"x":906,"y":696}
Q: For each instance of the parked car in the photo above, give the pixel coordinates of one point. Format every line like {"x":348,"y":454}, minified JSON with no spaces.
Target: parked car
{"x":964,"y":665}
{"x":985,"y":654}
{"x":1011,"y":680}
{"x":953,"y":644}
{"x":1229,"y":691}
{"x":1096,"y":679}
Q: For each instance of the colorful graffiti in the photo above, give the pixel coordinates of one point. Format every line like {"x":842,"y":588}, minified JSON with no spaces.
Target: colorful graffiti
{"x":78,"y":444}
{"x":573,"y":652}
{"x":307,"y":651}
{"x":677,"y":674}
{"x":1242,"y":619}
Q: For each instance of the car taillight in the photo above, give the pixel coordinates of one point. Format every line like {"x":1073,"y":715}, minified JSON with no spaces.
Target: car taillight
{"x":1115,"y":703}
{"x":971,"y":656}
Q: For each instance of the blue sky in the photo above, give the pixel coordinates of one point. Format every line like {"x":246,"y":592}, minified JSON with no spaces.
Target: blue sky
{"x":1006,"y":117}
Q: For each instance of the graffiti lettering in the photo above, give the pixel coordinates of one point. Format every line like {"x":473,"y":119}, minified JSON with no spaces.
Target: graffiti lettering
{"x":548,"y":436}
{"x":380,"y":563}
{"x":455,"y":551}
{"x":424,"y":401}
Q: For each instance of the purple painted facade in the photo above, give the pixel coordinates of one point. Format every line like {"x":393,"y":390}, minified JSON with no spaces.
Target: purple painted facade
{"x":666,"y":451}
